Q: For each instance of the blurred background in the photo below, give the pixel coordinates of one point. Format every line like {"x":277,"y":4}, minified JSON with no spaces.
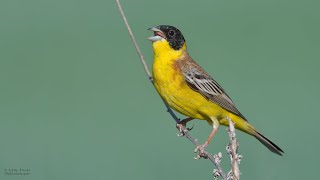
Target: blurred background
{"x":75,"y":102}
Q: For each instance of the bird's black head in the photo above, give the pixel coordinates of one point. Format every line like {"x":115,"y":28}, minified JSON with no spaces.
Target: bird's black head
{"x":170,"y":33}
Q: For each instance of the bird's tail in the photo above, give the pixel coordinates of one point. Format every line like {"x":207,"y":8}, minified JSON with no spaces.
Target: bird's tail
{"x":246,"y":127}
{"x":269,"y":144}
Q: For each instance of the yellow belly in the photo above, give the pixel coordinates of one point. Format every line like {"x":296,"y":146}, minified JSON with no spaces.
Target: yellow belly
{"x":172,"y":87}
{"x":188,"y":102}
{"x":175,"y":91}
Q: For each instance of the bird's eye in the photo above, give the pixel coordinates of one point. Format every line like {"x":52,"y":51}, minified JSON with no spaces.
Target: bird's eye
{"x":171,"y":33}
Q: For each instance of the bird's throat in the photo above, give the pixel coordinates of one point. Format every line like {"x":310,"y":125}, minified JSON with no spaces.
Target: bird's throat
{"x":164,"y":52}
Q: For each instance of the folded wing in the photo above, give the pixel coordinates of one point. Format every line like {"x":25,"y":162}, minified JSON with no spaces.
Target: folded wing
{"x":202,"y":82}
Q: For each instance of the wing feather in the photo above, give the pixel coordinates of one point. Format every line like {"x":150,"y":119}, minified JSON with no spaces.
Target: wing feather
{"x":202,"y":82}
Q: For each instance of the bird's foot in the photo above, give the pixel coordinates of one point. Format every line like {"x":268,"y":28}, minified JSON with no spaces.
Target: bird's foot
{"x":182,"y":129}
{"x":200,"y":149}
{"x":182,"y":126}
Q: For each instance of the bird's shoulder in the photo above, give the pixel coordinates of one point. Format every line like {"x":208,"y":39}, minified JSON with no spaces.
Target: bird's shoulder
{"x":200,"y":81}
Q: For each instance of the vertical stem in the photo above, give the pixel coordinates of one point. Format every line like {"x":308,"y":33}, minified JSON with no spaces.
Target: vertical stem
{"x":233,"y":150}
{"x":134,"y":41}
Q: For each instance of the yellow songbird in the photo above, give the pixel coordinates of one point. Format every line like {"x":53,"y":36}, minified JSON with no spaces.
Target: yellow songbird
{"x":190,"y":90}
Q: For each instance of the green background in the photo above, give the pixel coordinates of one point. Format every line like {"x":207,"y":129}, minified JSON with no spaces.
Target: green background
{"x":75,"y":102}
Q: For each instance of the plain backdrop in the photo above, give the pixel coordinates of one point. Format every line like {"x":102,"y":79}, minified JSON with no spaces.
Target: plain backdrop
{"x":75,"y":102}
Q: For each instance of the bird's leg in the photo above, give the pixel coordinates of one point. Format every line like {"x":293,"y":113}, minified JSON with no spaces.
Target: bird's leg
{"x":182,"y":126}
{"x":200,"y":148}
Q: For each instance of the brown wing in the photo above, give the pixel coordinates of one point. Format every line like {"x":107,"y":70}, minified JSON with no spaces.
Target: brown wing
{"x":202,"y":82}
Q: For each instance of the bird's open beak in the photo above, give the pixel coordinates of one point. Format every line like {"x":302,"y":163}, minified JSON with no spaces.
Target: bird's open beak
{"x":158,"y":34}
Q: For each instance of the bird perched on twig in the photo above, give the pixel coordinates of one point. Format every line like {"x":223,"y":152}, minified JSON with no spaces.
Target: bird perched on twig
{"x":190,"y":90}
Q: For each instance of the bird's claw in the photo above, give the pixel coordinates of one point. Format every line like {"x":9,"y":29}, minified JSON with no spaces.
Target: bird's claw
{"x":201,"y":151}
{"x":189,"y":129}
{"x":183,"y":129}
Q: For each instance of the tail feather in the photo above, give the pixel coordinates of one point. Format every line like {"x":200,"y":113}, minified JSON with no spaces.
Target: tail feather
{"x":269,"y":144}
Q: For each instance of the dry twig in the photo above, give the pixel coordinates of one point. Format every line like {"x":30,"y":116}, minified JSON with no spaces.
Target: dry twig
{"x":232,"y":149}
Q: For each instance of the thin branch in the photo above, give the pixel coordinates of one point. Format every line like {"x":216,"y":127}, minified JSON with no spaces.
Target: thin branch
{"x":134,"y":42}
{"x":232,"y":150}
{"x":215,"y":159}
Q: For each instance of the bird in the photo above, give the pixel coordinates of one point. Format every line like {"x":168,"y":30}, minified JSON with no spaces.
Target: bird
{"x":187,"y":88}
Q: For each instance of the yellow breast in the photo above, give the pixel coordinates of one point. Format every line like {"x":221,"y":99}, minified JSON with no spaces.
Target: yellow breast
{"x":172,"y":87}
